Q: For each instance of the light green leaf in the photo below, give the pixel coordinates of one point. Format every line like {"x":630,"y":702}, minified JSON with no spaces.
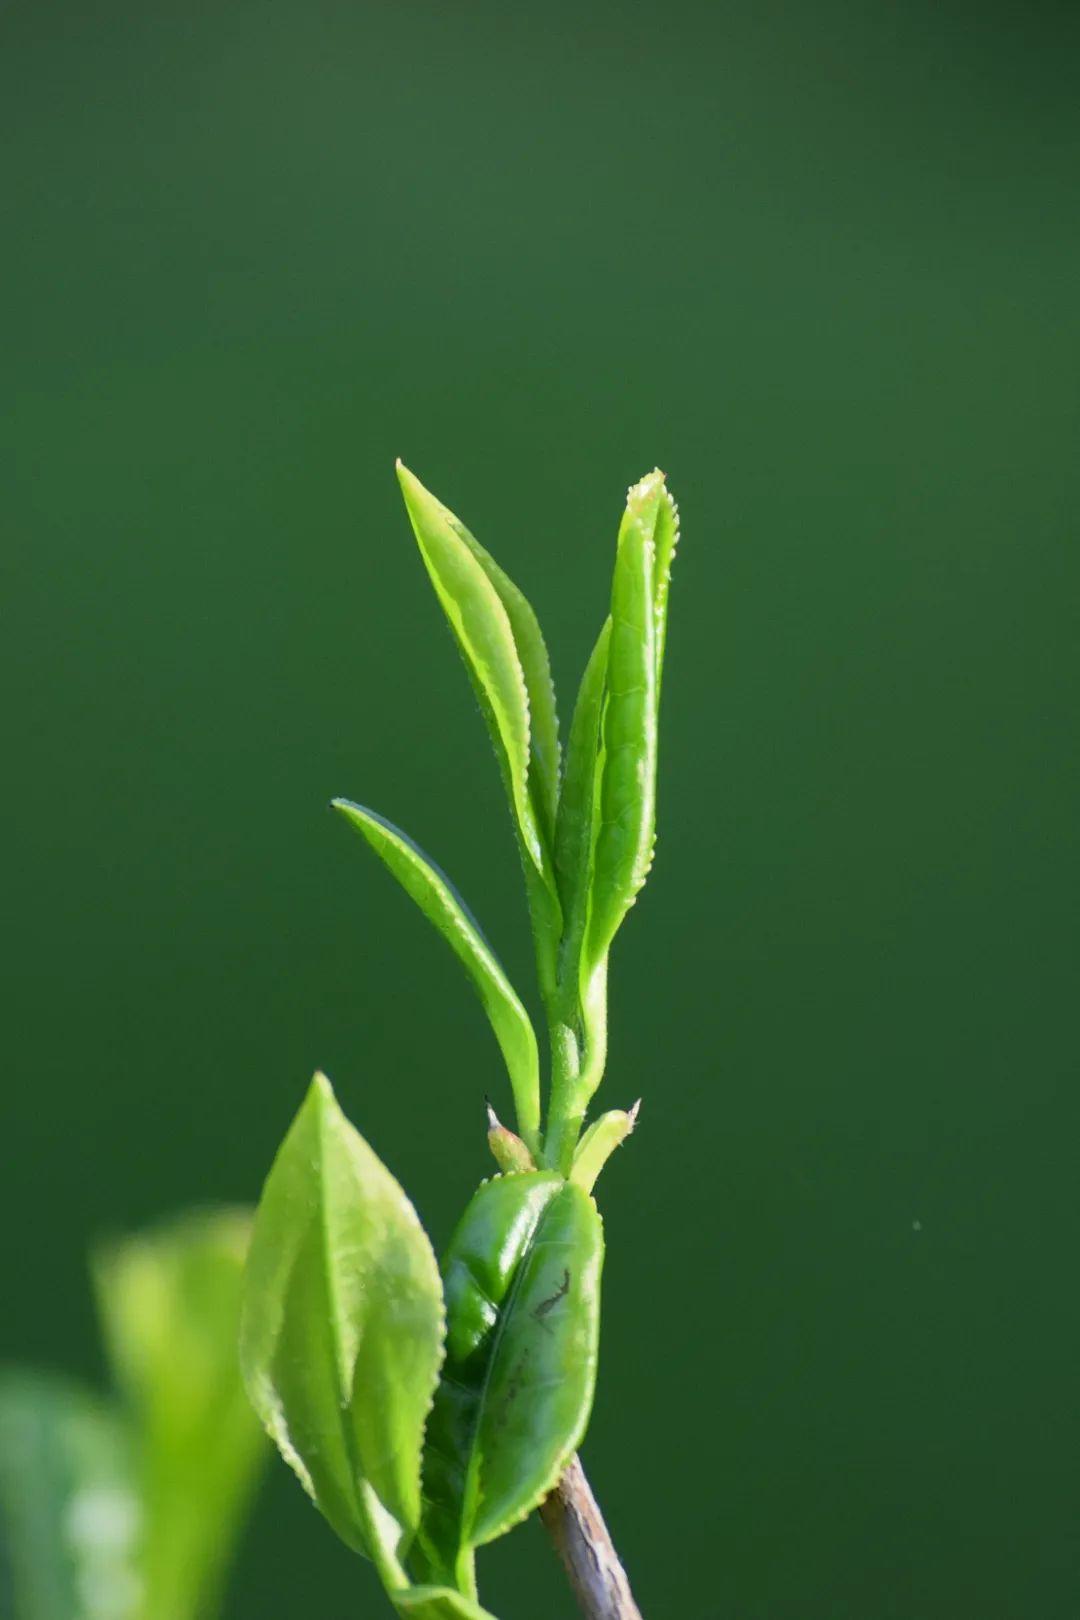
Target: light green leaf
{"x":522,"y":1282}
{"x":342,"y":1330}
{"x":666,"y":538}
{"x":442,"y":905}
{"x":170,"y":1305}
{"x":536,"y":668}
{"x":70,"y":1518}
{"x":599,"y":1142}
{"x":577,"y":798}
{"x":482,"y":626}
{"x":437,"y":1603}
{"x":625,"y":827}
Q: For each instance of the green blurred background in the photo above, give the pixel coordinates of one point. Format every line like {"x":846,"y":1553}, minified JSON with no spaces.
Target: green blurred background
{"x":821,"y":263}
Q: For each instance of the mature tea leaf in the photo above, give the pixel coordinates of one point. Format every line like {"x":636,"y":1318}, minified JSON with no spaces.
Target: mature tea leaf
{"x":70,"y":1517}
{"x":441,"y":903}
{"x":342,"y":1329}
{"x":624,"y":837}
{"x":170,"y":1306}
{"x":522,"y":1282}
{"x":485,"y":635}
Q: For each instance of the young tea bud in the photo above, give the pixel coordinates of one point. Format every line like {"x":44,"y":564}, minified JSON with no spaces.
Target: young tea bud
{"x":508,"y":1150}
{"x":599,"y":1143}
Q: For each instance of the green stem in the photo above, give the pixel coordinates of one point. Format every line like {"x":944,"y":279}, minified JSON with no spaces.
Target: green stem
{"x":567,"y":1111}
{"x":391,"y":1572}
{"x":578,"y":1032}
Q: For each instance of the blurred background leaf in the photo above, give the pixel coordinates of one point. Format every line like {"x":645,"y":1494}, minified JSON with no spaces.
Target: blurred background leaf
{"x":170,"y":1304}
{"x":69,"y":1507}
{"x":130,"y":1508}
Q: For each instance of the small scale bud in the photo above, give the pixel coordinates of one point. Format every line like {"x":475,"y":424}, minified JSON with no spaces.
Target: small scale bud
{"x":508,"y":1150}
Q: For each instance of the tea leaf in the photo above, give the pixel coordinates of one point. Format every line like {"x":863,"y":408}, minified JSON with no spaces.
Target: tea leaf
{"x":170,"y":1306}
{"x":482,"y":625}
{"x":624,"y":837}
{"x":442,"y":905}
{"x":70,"y":1517}
{"x":437,"y":1603}
{"x":522,"y":1283}
{"x":577,"y":798}
{"x":536,"y":668}
{"x":666,"y":537}
{"x":342,"y":1330}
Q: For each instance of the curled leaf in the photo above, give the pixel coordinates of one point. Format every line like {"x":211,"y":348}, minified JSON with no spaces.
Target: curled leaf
{"x":666,"y":538}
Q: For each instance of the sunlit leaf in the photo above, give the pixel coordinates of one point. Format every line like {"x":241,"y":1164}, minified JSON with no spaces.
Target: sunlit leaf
{"x":627,"y":789}
{"x":342,"y":1329}
{"x":485,"y":635}
{"x":536,"y":667}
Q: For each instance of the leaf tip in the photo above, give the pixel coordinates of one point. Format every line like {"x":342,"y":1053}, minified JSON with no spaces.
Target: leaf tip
{"x":321,"y":1092}
{"x":646,"y":489}
{"x":411,"y":487}
{"x":353,"y":813}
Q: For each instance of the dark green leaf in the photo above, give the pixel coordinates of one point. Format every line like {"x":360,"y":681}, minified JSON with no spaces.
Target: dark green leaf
{"x":342,"y":1330}
{"x":522,"y":1282}
{"x":442,"y":905}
